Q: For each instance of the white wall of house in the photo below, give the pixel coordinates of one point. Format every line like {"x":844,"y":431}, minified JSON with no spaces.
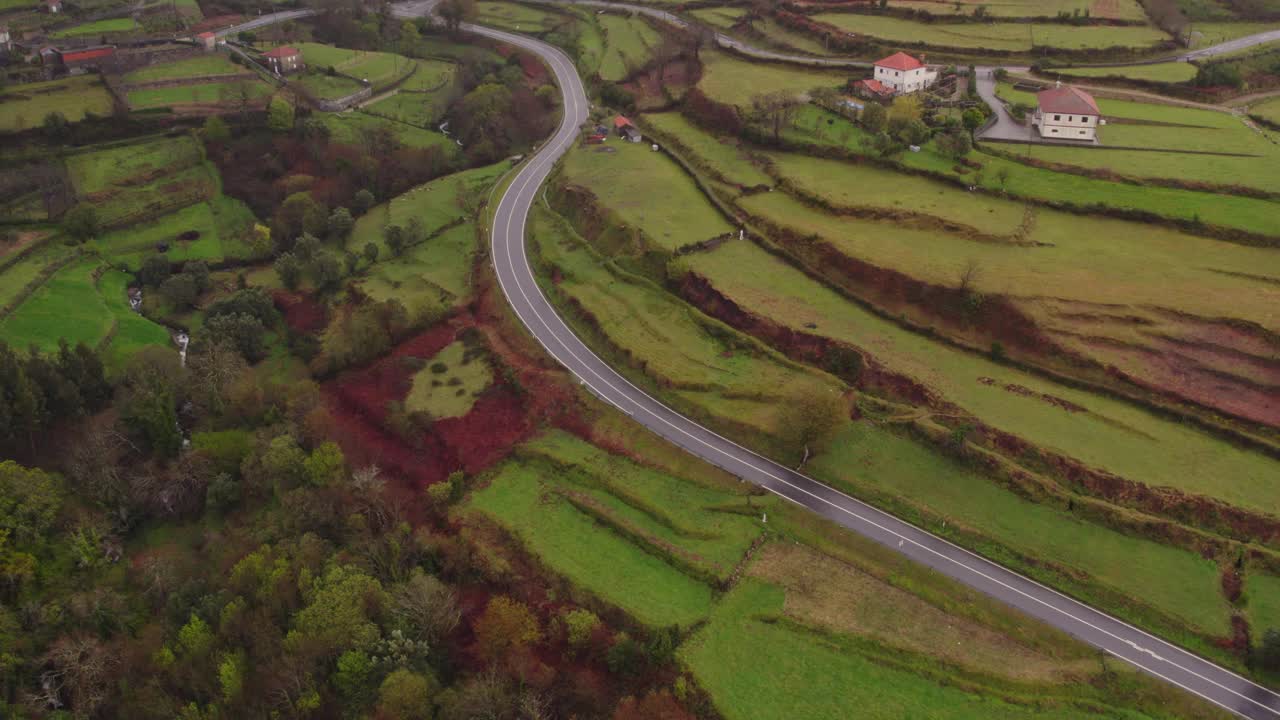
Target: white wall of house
{"x":906,"y":81}
{"x":1065,"y":126}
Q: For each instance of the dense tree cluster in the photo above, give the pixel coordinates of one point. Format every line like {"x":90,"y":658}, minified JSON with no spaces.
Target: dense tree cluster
{"x":38,"y":391}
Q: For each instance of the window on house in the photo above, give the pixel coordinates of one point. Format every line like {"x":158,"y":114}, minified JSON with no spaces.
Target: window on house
{"x":1057,"y":117}
{"x":1081,"y":132}
{"x":1054,"y":131}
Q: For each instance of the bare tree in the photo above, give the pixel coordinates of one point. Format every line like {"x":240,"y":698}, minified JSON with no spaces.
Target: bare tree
{"x":775,"y":111}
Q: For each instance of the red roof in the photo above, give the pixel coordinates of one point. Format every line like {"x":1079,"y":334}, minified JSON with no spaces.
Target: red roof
{"x":83,"y":55}
{"x":621,"y":122}
{"x":1067,"y":99}
{"x":874,"y":86}
{"x":205,"y":35}
{"x":900,"y":61}
{"x":283,"y":51}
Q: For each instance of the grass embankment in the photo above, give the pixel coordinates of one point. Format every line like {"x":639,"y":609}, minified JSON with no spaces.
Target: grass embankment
{"x":432,"y":276}
{"x":379,"y":68}
{"x":1108,"y":434}
{"x":353,"y":127}
{"x":629,"y":43}
{"x":25,"y":106}
{"x":632,"y":180}
{"x":1116,"y":9}
{"x":1267,"y":110}
{"x":215,"y":93}
{"x":517,"y":18}
{"x":449,"y":382}
{"x":705,"y":364}
{"x":998,"y":174}
{"x":326,"y":87}
{"x":1012,"y":37}
{"x":1185,"y":132}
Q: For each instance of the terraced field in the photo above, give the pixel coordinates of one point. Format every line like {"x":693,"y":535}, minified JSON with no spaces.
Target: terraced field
{"x":25,"y":106}
{"x":629,"y":42}
{"x":1013,"y":37}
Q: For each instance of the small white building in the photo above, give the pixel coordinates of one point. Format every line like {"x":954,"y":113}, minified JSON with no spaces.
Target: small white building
{"x":1067,"y":113}
{"x":904,"y":74}
{"x":5,"y":41}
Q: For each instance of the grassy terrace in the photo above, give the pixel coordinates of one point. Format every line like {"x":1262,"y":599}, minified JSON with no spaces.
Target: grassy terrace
{"x":216,"y":93}
{"x":379,"y":68}
{"x":516,"y":18}
{"x":1108,"y":434}
{"x":326,"y":87}
{"x":823,"y":128}
{"x":212,"y":64}
{"x":704,"y":364}
{"x":25,"y":106}
{"x":1267,"y":109}
{"x":1016,"y":37}
{"x":351,"y":127}
{"x":101,"y":27}
{"x":723,"y":74}
{"x":1080,"y":257}
{"x":1171,"y":72}
{"x":627,"y":177}
{"x":726,"y":157}
{"x":1118,"y":9}
{"x":449,"y":383}
{"x":628,"y":44}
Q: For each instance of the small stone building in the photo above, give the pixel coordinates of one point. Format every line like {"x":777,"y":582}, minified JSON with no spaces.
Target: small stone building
{"x":284,"y":59}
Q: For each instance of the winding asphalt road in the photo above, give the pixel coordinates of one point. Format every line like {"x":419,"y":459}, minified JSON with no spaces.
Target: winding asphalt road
{"x":515,"y":275}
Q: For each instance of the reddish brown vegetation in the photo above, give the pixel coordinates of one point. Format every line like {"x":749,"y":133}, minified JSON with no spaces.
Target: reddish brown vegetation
{"x":1232,"y":584}
{"x":301,"y":311}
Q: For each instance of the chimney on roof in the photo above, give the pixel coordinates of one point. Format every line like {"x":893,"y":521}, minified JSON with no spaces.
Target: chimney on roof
{"x":1057,"y":84}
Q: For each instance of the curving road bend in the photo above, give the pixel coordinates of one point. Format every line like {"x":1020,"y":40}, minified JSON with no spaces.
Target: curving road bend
{"x":515,"y":275}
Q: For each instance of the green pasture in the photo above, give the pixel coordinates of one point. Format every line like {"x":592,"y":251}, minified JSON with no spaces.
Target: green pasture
{"x":1086,"y":258}
{"x":824,"y":128}
{"x":431,"y":75}
{"x":1170,"y":72}
{"x":379,"y":68}
{"x":132,"y":332}
{"x":1108,"y":434}
{"x":25,"y":106}
{"x":421,"y":110}
{"x":647,"y":190}
{"x":726,"y":157}
{"x":436,"y":204}
{"x":523,"y":498}
{"x":629,"y":42}
{"x":705,"y":364}
{"x":449,"y":383}
{"x":215,"y":93}
{"x":99,"y":170}
{"x":516,"y":18}
{"x":21,"y":273}
{"x":100,"y":27}
{"x":67,"y":306}
{"x":1139,"y":112}
{"x":1016,"y":37}
{"x":1262,"y":593}
{"x":730,"y":80}
{"x":757,"y":669}
{"x":1261,"y":172}
{"x":1109,"y":9}
{"x":429,"y":278}
{"x":1212,"y":33}
{"x":719,"y":17}
{"x":222,"y":223}
{"x":1267,"y":109}
{"x":671,"y":513}
{"x":1182,"y":584}
{"x":326,"y":87}
{"x":210,"y":64}
{"x":863,"y":185}
{"x":353,"y":126}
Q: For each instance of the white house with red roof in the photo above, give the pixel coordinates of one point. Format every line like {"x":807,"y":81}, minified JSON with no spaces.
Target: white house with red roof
{"x":284,"y":59}
{"x":904,"y":74}
{"x":1067,"y":113}
{"x":207,"y":40}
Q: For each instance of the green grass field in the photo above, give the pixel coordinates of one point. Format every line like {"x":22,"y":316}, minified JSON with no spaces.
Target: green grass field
{"x":101,"y":27}
{"x":67,"y":306}
{"x":352,"y":126}
{"x":430,"y":75}
{"x":421,"y":110}
{"x":1212,"y":33}
{"x":326,"y":87}
{"x":1120,"y":10}
{"x":730,"y":80}
{"x":517,"y":18}
{"x":429,"y":278}
{"x":132,"y":332}
{"x":451,"y":391}
{"x":1084,"y":258}
{"x":379,"y":68}
{"x":216,"y":93}
{"x":725,"y":157}
{"x":99,"y":170}
{"x":824,"y":128}
{"x":719,"y":17}
{"x":1112,"y":435}
{"x":25,"y":106}
{"x":1263,"y":595}
{"x":212,"y":64}
{"x":1016,"y":37}
{"x":1171,"y":72}
{"x":629,"y":42}
{"x":629,"y":179}
{"x":758,"y":669}
{"x":1267,"y":109}
{"x":522,"y":497}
